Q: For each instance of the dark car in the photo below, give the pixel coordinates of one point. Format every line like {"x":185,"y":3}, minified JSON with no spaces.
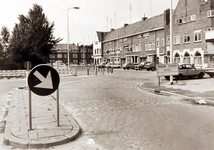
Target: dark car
{"x":140,"y":66}
{"x":150,"y":66}
{"x":128,"y":66}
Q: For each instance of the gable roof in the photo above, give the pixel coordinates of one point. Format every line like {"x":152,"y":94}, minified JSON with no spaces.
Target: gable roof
{"x":143,"y":26}
{"x":101,"y":35}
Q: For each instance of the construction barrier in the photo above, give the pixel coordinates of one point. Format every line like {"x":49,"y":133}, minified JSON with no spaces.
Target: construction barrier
{"x":12,"y":74}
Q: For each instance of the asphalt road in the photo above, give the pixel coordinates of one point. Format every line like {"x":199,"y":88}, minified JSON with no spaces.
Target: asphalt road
{"x":115,"y":114}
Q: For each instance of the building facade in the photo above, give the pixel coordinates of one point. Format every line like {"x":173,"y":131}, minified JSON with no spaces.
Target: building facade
{"x":193,"y":32}
{"x":77,"y":54}
{"x":97,"y":47}
{"x":147,"y":39}
{"x":86,"y":54}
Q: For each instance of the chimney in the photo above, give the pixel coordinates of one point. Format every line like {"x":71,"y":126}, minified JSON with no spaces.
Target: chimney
{"x":167,"y":17}
{"x":144,"y":18}
{"x":126,"y":24}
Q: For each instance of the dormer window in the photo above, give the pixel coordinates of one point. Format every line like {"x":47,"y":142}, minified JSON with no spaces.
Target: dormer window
{"x":210,"y":13}
{"x":179,"y":21}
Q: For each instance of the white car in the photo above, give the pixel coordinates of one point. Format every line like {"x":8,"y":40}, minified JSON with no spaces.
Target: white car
{"x":112,"y":65}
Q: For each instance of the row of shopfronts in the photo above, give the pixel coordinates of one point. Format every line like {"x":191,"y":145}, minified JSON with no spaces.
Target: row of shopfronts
{"x":148,"y":39}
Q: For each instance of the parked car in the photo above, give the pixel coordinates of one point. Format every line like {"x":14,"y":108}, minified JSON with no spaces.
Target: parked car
{"x":128,"y":66}
{"x":210,"y":70}
{"x":140,"y":66}
{"x":188,"y":71}
{"x":112,"y":65}
{"x":150,"y":66}
{"x":102,"y":65}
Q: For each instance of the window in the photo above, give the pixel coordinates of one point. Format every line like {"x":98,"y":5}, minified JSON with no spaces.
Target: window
{"x":186,"y":58}
{"x":210,"y":13}
{"x":125,"y":39}
{"x":198,"y":59}
{"x":126,"y":49}
{"x":188,"y":19}
{"x":180,"y":21}
{"x":146,"y":46}
{"x":52,"y":56}
{"x":184,"y":20}
{"x":75,"y":61}
{"x":177,"y":39}
{"x":158,"y":42}
{"x":197,"y":36}
{"x":153,"y":45}
{"x":193,"y":17}
{"x":167,"y":40}
{"x":139,"y":47}
{"x":83,"y":55}
{"x":186,"y":38}
{"x":162,"y":42}
{"x":177,"y":58}
{"x":75,"y":56}
{"x":139,"y":36}
{"x":150,"y":46}
{"x":59,"y":55}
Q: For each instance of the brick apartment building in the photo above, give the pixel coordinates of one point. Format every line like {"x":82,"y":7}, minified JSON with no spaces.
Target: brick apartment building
{"x":193,"y":24}
{"x":86,"y":54}
{"x":148,"y":39}
{"x":137,"y":42}
{"x":77,"y":54}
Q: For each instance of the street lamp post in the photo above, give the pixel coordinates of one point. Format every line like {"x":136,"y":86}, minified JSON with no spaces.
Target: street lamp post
{"x":171,"y":40}
{"x":68,"y":53}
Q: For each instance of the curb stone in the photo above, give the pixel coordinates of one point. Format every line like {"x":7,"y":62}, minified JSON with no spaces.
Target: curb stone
{"x":68,"y":131}
{"x":162,"y":92}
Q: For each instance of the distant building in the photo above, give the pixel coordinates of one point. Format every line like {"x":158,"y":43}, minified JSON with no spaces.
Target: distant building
{"x":86,"y":54}
{"x":76,"y":55}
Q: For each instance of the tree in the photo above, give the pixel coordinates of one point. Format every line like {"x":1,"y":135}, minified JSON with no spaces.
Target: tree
{"x":4,"y":44}
{"x":32,"y":38}
{"x":4,"y":40}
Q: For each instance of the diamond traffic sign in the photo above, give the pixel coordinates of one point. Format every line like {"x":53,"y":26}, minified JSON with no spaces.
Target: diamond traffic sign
{"x":43,"y":80}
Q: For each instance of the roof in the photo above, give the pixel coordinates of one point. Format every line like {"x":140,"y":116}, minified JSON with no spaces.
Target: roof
{"x":101,"y":35}
{"x":142,"y":26}
{"x":64,"y":46}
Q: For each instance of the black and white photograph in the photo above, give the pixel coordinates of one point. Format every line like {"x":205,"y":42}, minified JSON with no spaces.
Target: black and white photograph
{"x":107,"y":75}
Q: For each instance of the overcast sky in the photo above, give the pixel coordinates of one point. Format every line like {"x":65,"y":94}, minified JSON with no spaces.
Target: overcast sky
{"x":93,"y":15}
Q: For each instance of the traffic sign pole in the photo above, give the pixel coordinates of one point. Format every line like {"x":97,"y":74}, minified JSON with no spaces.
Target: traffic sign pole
{"x":43,"y":80}
{"x":57,"y":95}
{"x":30,"y":111}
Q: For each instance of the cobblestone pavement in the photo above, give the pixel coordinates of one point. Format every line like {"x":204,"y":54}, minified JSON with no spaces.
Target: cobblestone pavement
{"x":115,"y":115}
